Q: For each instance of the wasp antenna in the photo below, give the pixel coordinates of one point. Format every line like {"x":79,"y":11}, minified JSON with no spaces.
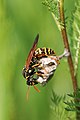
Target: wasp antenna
{"x":27,"y":93}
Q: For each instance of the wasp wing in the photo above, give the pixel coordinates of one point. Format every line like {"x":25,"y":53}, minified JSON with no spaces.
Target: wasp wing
{"x":30,"y":55}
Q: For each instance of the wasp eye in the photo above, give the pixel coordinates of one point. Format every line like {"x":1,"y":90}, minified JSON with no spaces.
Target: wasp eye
{"x":31,"y":71}
{"x":28,"y":82}
{"x":23,"y":72}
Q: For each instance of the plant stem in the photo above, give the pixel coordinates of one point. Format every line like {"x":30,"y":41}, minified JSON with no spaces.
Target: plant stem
{"x":66,"y":44}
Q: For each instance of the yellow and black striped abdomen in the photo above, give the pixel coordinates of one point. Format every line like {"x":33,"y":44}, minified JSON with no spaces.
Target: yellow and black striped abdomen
{"x":42,"y":52}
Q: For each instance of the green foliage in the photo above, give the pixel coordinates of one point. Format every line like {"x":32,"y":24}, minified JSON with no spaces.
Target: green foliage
{"x":74,"y":31}
{"x":57,"y":108}
{"x":74,"y":103}
{"x":20,"y":21}
{"x":74,"y":35}
{"x":16,"y":38}
{"x":53,"y":7}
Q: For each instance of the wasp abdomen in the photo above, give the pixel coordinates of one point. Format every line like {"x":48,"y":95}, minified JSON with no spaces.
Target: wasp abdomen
{"x":43,"y":52}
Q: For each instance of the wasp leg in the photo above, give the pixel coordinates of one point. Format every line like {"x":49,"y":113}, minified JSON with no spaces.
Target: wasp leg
{"x":40,"y":74}
{"x":36,"y":65}
{"x":27,"y":77}
{"x":41,"y":55}
{"x":35,"y":87}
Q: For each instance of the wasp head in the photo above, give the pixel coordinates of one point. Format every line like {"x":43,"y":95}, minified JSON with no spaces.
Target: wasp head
{"x":24,"y":73}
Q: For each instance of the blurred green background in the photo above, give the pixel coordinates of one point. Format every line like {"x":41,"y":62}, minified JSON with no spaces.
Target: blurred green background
{"x":20,"y":21}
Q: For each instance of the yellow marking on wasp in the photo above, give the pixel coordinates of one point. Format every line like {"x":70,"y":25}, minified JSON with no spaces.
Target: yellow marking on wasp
{"x":56,"y":59}
{"x":46,"y":55}
{"x":39,"y":51}
{"x":27,"y":77}
{"x":26,"y":70}
{"x":35,"y":65}
{"x":49,"y":50}
{"x":44,"y":49}
{"x":45,"y":70}
{"x":39,"y":74}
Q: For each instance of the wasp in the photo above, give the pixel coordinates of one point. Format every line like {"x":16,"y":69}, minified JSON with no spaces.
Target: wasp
{"x":41,"y":64}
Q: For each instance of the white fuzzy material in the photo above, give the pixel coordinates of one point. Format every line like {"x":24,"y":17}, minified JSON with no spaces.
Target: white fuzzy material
{"x":47,"y":70}
{"x":47,"y":60}
{"x":41,"y":80}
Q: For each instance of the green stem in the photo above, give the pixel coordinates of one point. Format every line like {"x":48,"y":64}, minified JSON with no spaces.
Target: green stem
{"x":70,"y":62}
{"x":66,"y":44}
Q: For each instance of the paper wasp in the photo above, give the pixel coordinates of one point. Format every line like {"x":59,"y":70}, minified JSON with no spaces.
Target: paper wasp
{"x":40,"y":65}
